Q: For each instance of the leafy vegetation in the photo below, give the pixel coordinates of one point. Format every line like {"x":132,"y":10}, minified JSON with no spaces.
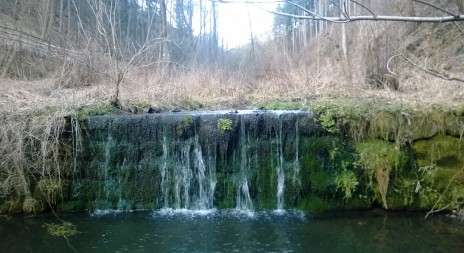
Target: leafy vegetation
{"x":224,"y":125}
{"x":347,"y":182}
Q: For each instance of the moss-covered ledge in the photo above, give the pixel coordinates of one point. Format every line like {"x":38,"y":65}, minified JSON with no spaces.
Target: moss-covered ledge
{"x":406,"y":157}
{"x":352,"y":155}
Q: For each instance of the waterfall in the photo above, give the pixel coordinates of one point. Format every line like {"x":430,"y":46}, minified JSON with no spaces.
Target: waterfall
{"x":192,"y":183}
{"x":164,"y":174}
{"x":296,"y":163}
{"x":243,"y":199}
{"x":206,"y":182}
{"x":280,"y":170}
{"x":186,"y":162}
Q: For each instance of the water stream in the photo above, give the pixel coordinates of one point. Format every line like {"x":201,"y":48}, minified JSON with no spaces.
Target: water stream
{"x":232,"y":231}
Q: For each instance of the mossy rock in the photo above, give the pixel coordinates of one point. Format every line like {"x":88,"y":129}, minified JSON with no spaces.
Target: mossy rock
{"x":378,"y":159}
{"x":455,"y":124}
{"x":424,"y":126}
{"x":443,"y":151}
{"x":316,"y":204}
{"x":377,"y":153}
{"x":385,"y":125}
{"x":441,"y":161}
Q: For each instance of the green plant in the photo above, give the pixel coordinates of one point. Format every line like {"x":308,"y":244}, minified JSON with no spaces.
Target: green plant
{"x":65,"y":229}
{"x":327,"y":113}
{"x":328,"y":122}
{"x":347,"y":182}
{"x":224,"y":125}
{"x":378,"y":158}
{"x":186,"y":123}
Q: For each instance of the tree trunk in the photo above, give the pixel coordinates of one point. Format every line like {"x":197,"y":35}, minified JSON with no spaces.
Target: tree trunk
{"x":61,"y":14}
{"x":164,"y":56}
{"x":117,"y":83}
{"x":69,"y":16}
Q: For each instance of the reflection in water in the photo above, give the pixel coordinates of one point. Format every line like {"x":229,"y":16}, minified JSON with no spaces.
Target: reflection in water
{"x":171,"y":230}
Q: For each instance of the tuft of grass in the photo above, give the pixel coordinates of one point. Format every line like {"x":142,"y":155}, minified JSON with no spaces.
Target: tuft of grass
{"x":65,"y":229}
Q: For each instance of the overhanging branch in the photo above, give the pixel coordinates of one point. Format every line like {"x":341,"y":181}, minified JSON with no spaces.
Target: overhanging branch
{"x":373,"y":18}
{"x":443,"y":76}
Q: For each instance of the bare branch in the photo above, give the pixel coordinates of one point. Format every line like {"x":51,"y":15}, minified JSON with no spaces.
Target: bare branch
{"x":313,"y":14}
{"x":443,"y":76}
{"x":388,"y":64}
{"x":369,"y":10}
{"x":376,"y":18}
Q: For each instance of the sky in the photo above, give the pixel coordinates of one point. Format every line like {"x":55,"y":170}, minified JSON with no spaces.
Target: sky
{"x":234,"y":22}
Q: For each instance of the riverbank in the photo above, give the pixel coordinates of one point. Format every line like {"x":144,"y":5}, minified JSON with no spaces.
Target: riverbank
{"x":363,"y":153}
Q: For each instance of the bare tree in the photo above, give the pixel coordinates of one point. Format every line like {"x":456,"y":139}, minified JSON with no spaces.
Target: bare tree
{"x":125,"y":55}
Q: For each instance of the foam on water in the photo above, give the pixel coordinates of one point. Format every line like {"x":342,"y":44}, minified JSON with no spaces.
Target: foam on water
{"x":230,"y":214}
{"x":184,"y":212}
{"x":103,"y":212}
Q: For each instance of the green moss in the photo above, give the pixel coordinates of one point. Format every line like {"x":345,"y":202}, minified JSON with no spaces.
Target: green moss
{"x":283,"y":105}
{"x":441,"y":164}
{"x":83,"y":193}
{"x":314,"y":204}
{"x":226,"y":191}
{"x":442,"y":151}
{"x":84,"y":112}
{"x":378,"y":159}
{"x":266,"y":178}
{"x":320,"y":181}
{"x":187,"y":121}
{"x":381,"y":120}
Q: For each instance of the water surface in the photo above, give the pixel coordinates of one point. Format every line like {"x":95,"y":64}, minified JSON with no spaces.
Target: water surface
{"x":230,"y":231}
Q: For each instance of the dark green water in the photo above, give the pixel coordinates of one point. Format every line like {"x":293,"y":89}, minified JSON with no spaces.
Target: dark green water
{"x":228,"y":231}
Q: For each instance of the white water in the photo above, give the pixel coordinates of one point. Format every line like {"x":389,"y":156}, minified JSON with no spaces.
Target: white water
{"x":296,"y":163}
{"x":188,"y":183}
{"x":206,"y":182}
{"x":187,"y":169}
{"x":280,"y":170}
{"x":243,"y":199}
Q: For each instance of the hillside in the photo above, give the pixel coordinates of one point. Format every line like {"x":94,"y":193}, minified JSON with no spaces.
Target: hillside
{"x":47,"y":66}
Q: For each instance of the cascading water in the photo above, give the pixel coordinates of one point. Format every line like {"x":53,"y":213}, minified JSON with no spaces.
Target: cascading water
{"x":192,"y":184}
{"x":243,"y":199}
{"x":186,"y":162}
{"x":296,"y":163}
{"x":280,"y":170}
